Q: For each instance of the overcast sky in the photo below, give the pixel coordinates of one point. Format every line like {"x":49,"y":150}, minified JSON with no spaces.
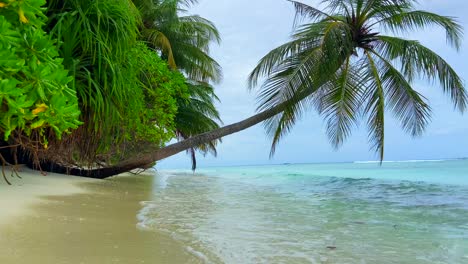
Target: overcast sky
{"x":251,"y":28}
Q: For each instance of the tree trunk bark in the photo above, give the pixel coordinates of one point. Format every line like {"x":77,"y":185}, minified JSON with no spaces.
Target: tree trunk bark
{"x":159,"y":154}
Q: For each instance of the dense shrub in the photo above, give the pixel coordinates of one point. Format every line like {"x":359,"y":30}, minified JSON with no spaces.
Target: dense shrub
{"x":34,"y":91}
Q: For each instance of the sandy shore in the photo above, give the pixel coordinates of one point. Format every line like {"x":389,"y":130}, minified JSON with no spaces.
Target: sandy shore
{"x":17,"y":199}
{"x":63,"y":219}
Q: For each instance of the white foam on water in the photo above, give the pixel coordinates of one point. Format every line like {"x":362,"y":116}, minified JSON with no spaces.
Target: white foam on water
{"x":399,"y":161}
{"x":198,"y":254}
{"x":162,"y":178}
{"x":148,"y":222}
{"x":143,"y":216}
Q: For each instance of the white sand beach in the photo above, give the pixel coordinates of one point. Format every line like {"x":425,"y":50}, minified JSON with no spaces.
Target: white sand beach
{"x":17,"y":199}
{"x":64,"y":219}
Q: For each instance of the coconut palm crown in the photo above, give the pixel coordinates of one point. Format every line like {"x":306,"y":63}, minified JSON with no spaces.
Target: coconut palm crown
{"x":183,"y":40}
{"x":341,"y":63}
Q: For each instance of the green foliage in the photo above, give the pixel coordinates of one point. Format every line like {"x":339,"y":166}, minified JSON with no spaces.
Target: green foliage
{"x":99,"y":71}
{"x":162,"y":90}
{"x":96,"y":39}
{"x":126,"y":92}
{"x":339,"y":63}
{"x":184,"y":42}
{"x":34,"y":91}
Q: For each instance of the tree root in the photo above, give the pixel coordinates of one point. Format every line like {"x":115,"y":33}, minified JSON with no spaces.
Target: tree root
{"x":4,"y":163}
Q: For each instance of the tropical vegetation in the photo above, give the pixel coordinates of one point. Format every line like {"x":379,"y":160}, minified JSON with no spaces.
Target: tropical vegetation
{"x":184,"y":42}
{"x":37,"y":103}
{"x":96,"y":88}
{"x":123,"y":95}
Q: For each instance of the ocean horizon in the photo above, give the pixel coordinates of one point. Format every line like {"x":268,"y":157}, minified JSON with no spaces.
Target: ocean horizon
{"x":185,"y":167}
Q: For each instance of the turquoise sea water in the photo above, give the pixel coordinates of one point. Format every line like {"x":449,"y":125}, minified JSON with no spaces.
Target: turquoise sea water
{"x":400,"y":212}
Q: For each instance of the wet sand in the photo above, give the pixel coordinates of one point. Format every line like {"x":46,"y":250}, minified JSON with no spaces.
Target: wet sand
{"x":94,"y":225}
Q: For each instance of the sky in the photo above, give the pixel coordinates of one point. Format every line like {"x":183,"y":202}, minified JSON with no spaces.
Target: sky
{"x":251,"y":28}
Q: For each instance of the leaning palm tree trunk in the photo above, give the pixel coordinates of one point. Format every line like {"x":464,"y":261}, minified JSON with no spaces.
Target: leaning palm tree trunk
{"x":141,"y":161}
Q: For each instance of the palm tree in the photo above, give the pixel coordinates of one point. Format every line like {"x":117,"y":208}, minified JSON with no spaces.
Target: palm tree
{"x":183,"y":40}
{"x":340,"y":63}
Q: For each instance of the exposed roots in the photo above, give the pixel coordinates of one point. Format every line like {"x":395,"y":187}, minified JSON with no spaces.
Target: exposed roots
{"x":4,"y":163}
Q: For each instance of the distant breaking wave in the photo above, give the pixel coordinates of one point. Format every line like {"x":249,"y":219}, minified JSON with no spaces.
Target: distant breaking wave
{"x":401,"y":161}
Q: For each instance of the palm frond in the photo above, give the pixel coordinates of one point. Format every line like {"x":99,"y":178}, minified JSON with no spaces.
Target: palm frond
{"x":203,"y":30}
{"x":187,"y":2}
{"x":418,"y":61}
{"x":269,"y":62}
{"x":408,"y":106}
{"x":290,"y":84}
{"x":197,"y":64}
{"x":187,"y":39}
{"x":414,"y":20}
{"x":341,"y":103}
{"x":307,"y":11}
{"x":375,"y":108}
{"x":295,"y":79}
{"x":158,"y":39}
{"x":340,"y":7}
{"x":379,"y":9}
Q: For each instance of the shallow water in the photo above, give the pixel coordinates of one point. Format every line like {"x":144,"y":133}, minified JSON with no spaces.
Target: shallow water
{"x":401,"y":212}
